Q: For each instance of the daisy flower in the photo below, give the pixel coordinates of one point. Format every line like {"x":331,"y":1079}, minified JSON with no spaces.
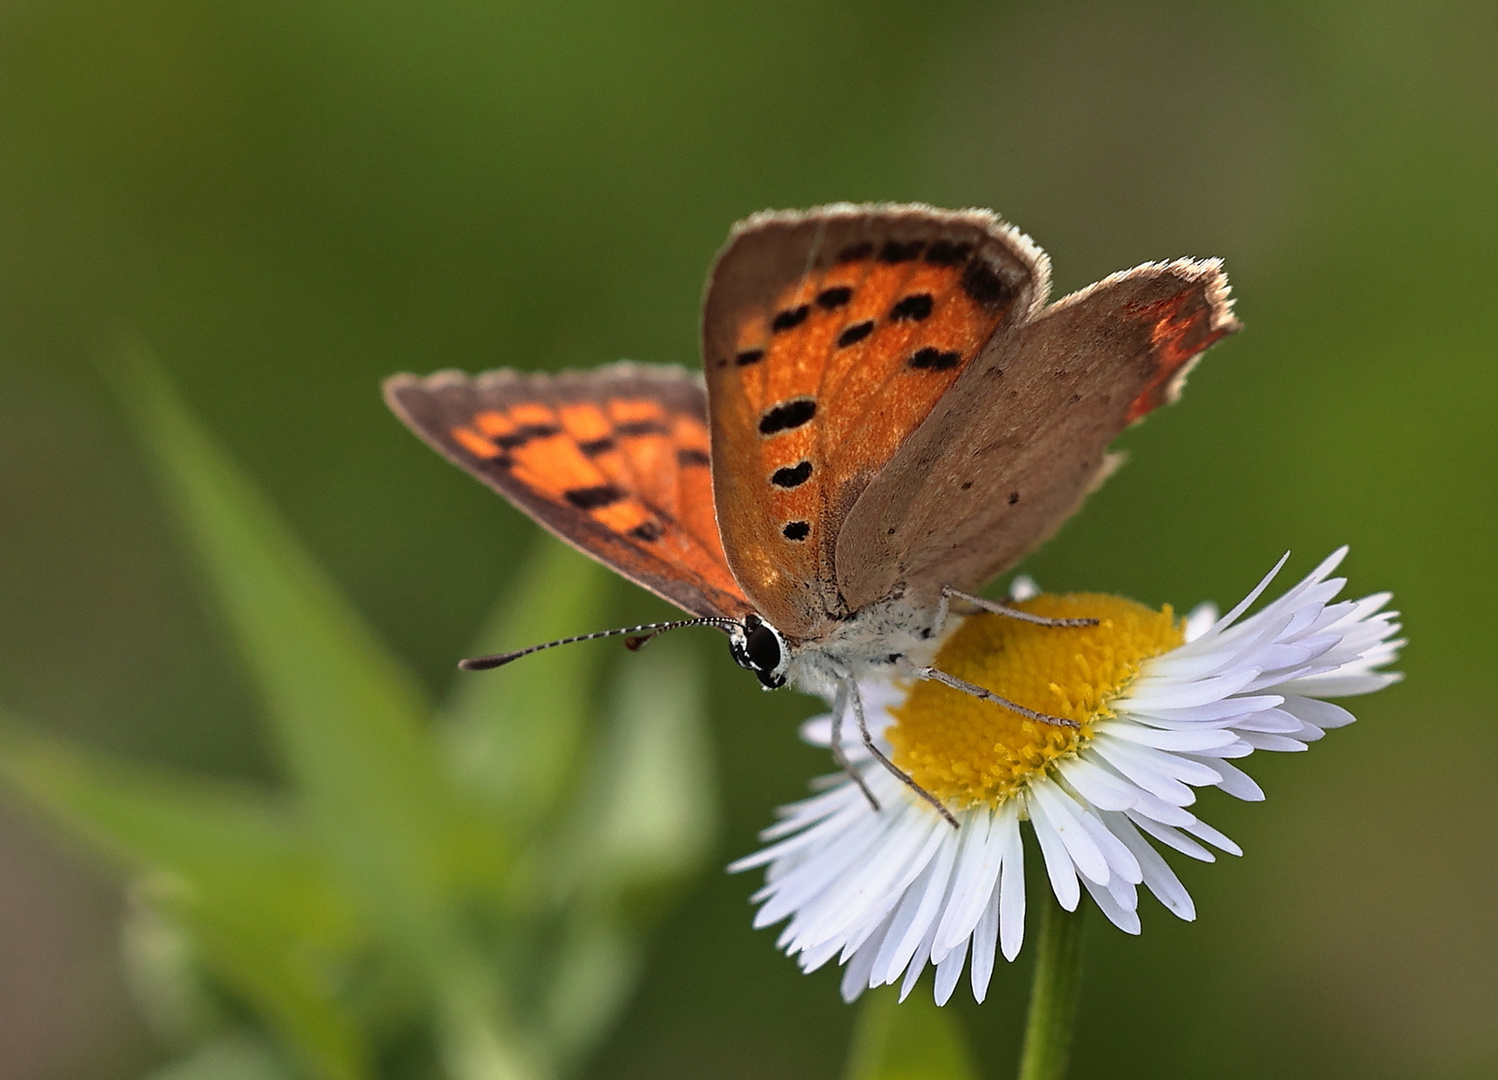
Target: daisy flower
{"x":1163,"y":705}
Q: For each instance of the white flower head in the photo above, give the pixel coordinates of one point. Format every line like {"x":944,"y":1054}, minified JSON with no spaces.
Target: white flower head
{"x":1164,"y":706}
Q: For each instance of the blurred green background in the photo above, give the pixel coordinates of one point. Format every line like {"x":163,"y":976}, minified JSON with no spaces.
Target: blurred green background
{"x":287,"y":202}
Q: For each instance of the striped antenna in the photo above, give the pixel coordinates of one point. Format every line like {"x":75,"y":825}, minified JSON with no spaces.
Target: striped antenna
{"x":640,"y":635}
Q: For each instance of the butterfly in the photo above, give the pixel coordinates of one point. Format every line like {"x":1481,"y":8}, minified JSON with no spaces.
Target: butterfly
{"x":889,"y":415}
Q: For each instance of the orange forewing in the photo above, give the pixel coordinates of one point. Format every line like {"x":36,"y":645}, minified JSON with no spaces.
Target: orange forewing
{"x":826,"y":374}
{"x":613,"y":461}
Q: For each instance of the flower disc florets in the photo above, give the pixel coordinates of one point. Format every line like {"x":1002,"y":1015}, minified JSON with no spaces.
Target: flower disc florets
{"x":966,"y":751}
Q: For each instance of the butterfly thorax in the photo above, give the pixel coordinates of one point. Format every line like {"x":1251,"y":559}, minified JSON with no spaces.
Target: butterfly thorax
{"x":869,"y":641}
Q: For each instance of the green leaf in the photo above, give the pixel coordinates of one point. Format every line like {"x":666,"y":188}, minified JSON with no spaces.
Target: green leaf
{"x":225,"y":839}
{"x":348,"y":717}
{"x":592,"y":975}
{"x":235,"y":1057}
{"x":229,"y":867}
{"x":650,"y":814}
{"x":513,"y":735}
{"x":645,"y":820}
{"x":910,"y":1040}
{"x":478,"y":1037}
{"x":352,"y":730}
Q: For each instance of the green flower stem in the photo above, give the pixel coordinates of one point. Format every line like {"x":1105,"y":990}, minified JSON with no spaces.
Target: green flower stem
{"x":1055,"y":988}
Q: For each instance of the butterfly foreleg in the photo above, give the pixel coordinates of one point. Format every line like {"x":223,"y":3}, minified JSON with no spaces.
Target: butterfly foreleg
{"x":849,"y":688}
{"x":839,"y":709}
{"x":936,"y":675}
{"x":948,"y":594}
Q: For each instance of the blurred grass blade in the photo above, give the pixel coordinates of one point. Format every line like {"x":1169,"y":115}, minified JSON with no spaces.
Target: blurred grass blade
{"x":911,"y":1040}
{"x":477,"y":1037}
{"x":645,"y":820}
{"x":513,"y":735}
{"x":592,"y":976}
{"x":651,"y":812}
{"x":347,"y":715}
{"x":238,"y":1057}
{"x":224,"y":840}
{"x":229,"y":867}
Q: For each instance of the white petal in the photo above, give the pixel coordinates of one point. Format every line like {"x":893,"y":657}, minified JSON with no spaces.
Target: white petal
{"x":834,"y":826}
{"x":1159,"y":878}
{"x":1223,"y":709}
{"x":1121,"y":862}
{"x":856,"y":974}
{"x":1238,"y":783}
{"x":930,"y":890}
{"x":1170,"y":837}
{"x":1189,"y":740}
{"x":1334,"y":685}
{"x":868,"y":890}
{"x":917,"y":965}
{"x":948,"y":971}
{"x":1140,"y":770}
{"x":1146,"y":697}
{"x":985,"y":943}
{"x":1202,"y":831}
{"x":1058,"y":864}
{"x":792,"y":890}
{"x":1097,"y":785}
{"x":1260,"y":741}
{"x":1270,"y":721}
{"x":1065,"y":817}
{"x":1011,"y":883}
{"x":810,"y":887}
{"x":1200,"y":620}
{"x":1023,"y":587}
{"x":1324,"y":714}
{"x":973,"y":882}
{"x":1120,"y":913}
{"x":817,"y":730}
{"x":1253,"y":594}
{"x":1159,"y":773}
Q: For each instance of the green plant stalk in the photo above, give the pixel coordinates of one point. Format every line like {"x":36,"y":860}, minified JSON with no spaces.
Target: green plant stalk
{"x":1055,"y":988}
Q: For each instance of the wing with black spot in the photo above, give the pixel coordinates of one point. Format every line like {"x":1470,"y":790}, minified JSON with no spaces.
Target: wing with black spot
{"x":614,"y":461}
{"x":1023,"y":436}
{"x":828,"y":337}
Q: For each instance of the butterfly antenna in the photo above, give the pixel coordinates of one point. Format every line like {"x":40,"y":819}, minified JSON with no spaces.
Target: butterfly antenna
{"x":639,"y":636}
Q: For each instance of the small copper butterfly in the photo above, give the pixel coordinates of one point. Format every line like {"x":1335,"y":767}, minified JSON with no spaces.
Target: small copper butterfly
{"x":890,"y":416}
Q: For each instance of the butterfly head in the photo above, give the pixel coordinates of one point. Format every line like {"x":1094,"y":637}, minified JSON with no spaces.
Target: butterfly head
{"x":758,"y":646}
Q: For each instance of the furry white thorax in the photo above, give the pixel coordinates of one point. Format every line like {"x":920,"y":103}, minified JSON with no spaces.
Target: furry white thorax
{"x":869,"y":643}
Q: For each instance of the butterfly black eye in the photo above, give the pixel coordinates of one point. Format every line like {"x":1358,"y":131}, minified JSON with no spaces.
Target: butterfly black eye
{"x":758,"y":647}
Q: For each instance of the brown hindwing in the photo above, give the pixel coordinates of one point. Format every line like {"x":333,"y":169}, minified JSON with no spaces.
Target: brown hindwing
{"x":828,"y":337}
{"x":615,"y":461}
{"x":1022,"y":437}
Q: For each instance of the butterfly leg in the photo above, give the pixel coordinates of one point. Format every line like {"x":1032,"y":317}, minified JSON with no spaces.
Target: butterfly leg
{"x":839,"y":709}
{"x":948,"y":594}
{"x":905,"y":778}
{"x":933,"y":675}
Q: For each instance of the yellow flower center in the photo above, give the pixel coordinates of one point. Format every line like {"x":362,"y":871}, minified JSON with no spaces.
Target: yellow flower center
{"x":967,"y":751}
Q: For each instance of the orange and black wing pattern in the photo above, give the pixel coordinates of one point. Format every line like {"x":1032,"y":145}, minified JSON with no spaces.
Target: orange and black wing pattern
{"x":614,"y":461}
{"x":828,"y":338}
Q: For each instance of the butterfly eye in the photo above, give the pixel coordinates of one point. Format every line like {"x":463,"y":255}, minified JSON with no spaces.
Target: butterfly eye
{"x":759,"y":647}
